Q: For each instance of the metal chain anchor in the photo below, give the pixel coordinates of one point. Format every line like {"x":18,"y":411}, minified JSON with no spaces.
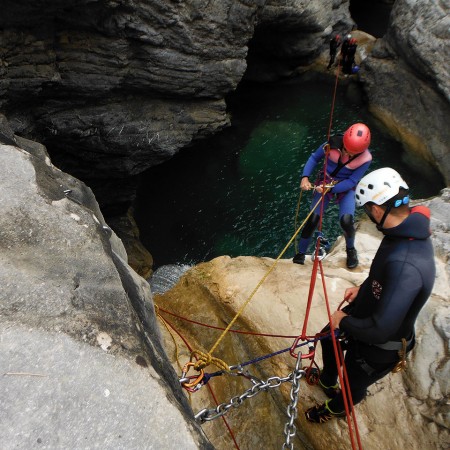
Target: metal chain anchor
{"x":205,"y":415}
{"x":290,"y":428}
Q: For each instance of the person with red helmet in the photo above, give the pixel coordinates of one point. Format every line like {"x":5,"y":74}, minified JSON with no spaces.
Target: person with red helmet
{"x":335,"y":42}
{"x":348,"y":160}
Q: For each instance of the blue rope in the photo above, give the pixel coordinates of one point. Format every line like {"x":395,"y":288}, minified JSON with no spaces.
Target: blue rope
{"x":262,"y":358}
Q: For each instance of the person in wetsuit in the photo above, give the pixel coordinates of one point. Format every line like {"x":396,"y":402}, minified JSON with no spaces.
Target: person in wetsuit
{"x":349,"y":58}
{"x":348,"y":160}
{"x":335,"y":42}
{"x":378,"y":323}
{"x":344,"y":48}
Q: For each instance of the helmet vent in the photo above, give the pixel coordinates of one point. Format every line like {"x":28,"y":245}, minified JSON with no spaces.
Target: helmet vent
{"x":387,"y":184}
{"x":370,"y":186}
{"x":359,"y":133}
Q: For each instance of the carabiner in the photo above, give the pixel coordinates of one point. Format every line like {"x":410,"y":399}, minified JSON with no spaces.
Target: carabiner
{"x":309,"y":355}
{"x":197,"y":379}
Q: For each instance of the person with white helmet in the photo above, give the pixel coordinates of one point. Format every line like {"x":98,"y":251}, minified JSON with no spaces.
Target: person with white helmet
{"x":344,"y":48}
{"x":378,"y":323}
{"x":349,"y":59}
{"x":348,"y":160}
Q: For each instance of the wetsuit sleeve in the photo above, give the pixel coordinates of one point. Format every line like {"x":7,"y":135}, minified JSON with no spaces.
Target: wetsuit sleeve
{"x":352,"y":181}
{"x":402,"y":283}
{"x":313,"y":161}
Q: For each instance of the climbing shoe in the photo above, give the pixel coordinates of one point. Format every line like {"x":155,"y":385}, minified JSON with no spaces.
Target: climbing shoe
{"x":313,"y":375}
{"x":330,"y":391}
{"x":352,"y":258}
{"x":299,"y":258}
{"x":321,"y":413}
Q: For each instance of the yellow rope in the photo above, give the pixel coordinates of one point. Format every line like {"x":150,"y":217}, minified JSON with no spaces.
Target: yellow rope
{"x":297,"y":211}
{"x":205,"y":361}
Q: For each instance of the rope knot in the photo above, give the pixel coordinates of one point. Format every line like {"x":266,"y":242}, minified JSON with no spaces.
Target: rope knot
{"x":203,"y":359}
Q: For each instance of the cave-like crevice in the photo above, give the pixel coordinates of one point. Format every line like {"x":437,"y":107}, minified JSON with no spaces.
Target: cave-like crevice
{"x":274,"y":52}
{"x":371,"y":16}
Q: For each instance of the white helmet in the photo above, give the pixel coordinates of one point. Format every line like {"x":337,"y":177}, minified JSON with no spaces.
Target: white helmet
{"x":379,"y":186}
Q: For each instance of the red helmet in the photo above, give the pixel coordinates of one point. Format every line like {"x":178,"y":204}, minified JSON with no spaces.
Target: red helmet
{"x":357,"y":138}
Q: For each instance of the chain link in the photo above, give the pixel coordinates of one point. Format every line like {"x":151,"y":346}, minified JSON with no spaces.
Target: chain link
{"x":206,"y":415}
{"x":290,"y":428}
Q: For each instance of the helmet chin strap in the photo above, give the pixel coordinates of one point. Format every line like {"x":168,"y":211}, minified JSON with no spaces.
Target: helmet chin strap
{"x":379,"y":225}
{"x":386,"y":212}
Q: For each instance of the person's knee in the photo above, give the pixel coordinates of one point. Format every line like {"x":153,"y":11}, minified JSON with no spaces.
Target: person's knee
{"x":310,"y":226}
{"x":347,"y":224}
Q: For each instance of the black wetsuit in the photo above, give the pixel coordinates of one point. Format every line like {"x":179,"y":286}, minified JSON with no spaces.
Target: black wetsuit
{"x":400,"y":281}
{"x":334,"y":44}
{"x":344,"y":49}
{"x":349,"y":58}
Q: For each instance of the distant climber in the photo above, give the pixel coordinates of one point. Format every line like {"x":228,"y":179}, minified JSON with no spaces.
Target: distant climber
{"x":348,"y":160}
{"x":349,"y":59}
{"x":335,"y":42}
{"x":344,"y":47}
{"x":378,"y":323}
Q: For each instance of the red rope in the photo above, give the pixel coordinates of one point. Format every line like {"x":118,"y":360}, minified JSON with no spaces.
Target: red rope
{"x":334,"y":98}
{"x":338,"y":353}
{"x":350,"y":402}
{"x":343,"y":378}
{"x":231,"y":331}
{"x":316,"y":252}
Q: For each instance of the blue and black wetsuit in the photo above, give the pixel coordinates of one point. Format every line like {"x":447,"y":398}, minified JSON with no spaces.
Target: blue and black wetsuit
{"x":400,"y":281}
{"x":346,"y":171}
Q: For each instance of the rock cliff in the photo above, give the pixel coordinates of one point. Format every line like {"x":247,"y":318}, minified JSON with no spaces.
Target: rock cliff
{"x":407,"y":80}
{"x":81,"y":360}
{"x":112,"y":88}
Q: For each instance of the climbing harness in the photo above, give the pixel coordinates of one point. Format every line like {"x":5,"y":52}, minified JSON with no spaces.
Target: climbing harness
{"x":401,"y":365}
{"x":327,"y":186}
{"x":323,"y":244}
